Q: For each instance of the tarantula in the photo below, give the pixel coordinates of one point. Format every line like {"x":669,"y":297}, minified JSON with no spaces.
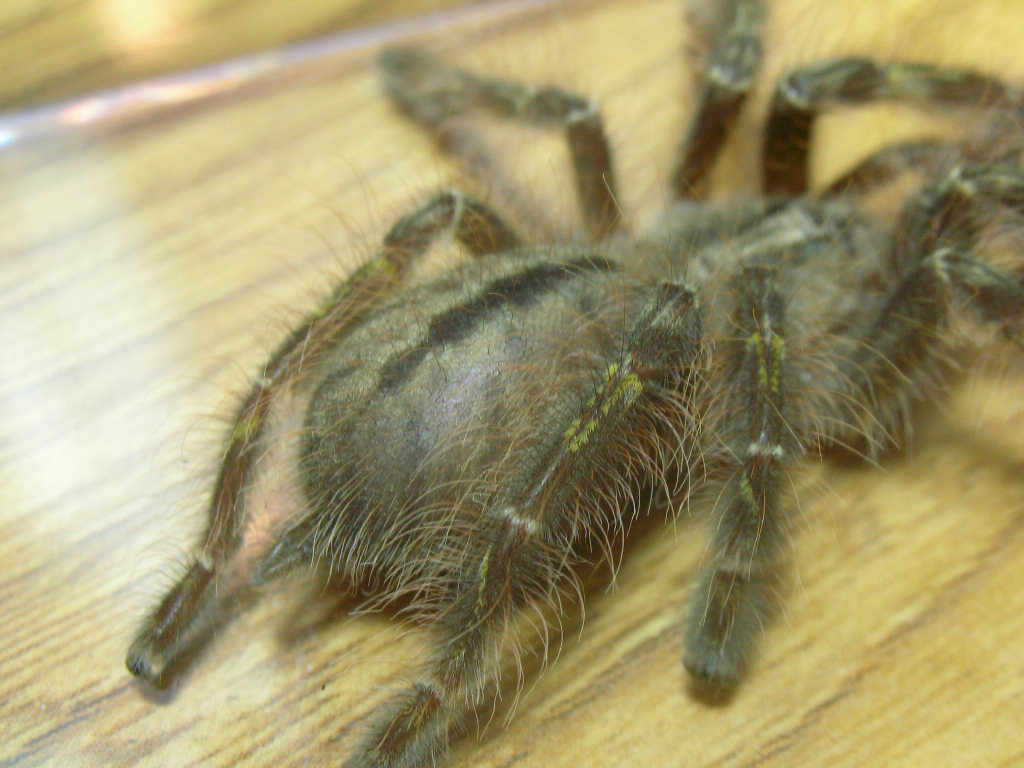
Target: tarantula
{"x":467,"y":441}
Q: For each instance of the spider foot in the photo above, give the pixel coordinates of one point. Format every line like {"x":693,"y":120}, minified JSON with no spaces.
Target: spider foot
{"x":412,"y":734}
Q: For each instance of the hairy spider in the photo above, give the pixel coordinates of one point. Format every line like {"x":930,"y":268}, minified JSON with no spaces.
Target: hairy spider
{"x":468,"y":440}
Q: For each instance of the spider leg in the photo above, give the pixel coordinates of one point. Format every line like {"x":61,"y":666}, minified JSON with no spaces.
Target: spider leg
{"x":173,"y":627}
{"x":431,"y":94}
{"x":510,"y":565}
{"x":520,"y":553}
{"x":922,"y":156}
{"x":804,"y":94}
{"x":734,"y":592}
{"x":886,"y":164}
{"x":734,"y":62}
{"x":937,"y":244}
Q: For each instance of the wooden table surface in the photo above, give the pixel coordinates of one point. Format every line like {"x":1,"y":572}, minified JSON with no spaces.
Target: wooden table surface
{"x":156,"y":242}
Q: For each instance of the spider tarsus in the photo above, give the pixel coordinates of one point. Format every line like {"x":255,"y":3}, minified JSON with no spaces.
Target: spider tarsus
{"x":143,"y":661}
{"x":163,"y":636}
{"x":412,"y":733}
{"x":724,"y":627}
{"x":711,"y":667}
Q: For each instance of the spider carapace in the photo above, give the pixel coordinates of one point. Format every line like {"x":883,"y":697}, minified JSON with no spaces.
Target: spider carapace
{"x":467,"y":441}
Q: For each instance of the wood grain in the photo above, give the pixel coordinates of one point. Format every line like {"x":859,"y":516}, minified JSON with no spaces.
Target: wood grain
{"x":149,"y":260}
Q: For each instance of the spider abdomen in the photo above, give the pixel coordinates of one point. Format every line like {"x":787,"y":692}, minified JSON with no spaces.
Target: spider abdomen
{"x":431,"y":419}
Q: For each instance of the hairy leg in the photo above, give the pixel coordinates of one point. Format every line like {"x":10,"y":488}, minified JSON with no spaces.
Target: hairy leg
{"x":940,"y":270}
{"x":734,"y":62}
{"x":174,"y":626}
{"x":431,"y":94}
{"x":802,"y":96}
{"x":887,"y":164}
{"x":734,"y":592}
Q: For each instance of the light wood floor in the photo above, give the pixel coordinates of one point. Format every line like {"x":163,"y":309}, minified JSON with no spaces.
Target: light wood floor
{"x":157,"y":242}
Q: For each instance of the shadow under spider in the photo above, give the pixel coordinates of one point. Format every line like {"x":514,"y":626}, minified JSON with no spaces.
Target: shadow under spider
{"x":318,"y":603}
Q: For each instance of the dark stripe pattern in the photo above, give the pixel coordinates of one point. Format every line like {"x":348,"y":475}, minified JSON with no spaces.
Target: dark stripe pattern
{"x":458,"y":323}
